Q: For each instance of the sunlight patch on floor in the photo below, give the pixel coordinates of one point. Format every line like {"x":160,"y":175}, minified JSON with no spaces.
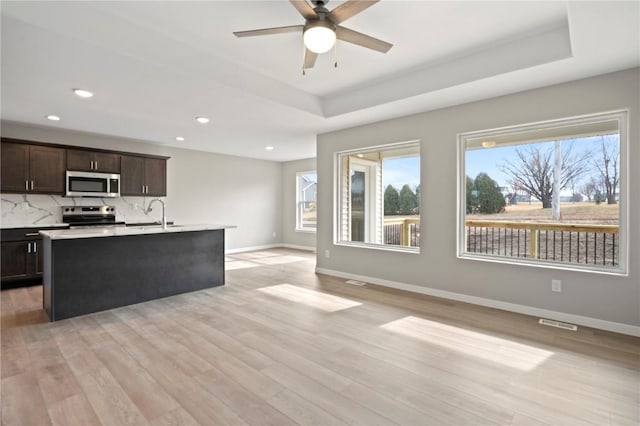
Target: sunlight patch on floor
{"x":239,"y":264}
{"x":308,"y":297}
{"x":472,"y":343}
{"x":279,"y":260}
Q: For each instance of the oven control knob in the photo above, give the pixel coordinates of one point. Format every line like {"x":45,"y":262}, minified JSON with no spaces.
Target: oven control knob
{"x":66,"y":209}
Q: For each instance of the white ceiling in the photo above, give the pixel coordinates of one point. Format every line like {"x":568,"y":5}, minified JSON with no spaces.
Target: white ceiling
{"x":155,"y":66}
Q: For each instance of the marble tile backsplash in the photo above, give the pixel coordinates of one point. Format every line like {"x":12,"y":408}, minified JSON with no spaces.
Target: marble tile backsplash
{"x":34,"y":209}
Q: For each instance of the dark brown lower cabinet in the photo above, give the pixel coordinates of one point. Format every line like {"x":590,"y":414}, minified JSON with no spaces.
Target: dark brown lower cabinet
{"x":16,"y":260}
{"x":21,"y":256}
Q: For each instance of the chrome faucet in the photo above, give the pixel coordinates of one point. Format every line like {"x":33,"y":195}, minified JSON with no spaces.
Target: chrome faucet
{"x":164,"y":217}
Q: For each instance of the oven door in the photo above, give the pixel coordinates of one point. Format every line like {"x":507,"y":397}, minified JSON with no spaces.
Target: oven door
{"x":86,"y":184}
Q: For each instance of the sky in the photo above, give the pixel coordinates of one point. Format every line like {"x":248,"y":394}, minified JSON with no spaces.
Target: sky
{"x":401,"y":171}
{"x":490,"y":160}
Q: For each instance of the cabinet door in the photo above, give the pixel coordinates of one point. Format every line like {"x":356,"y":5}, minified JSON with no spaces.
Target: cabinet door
{"x":36,"y":249}
{"x":15,"y":167}
{"x":46,"y":169}
{"x":155,"y":176}
{"x":78,"y":160}
{"x":131,"y":175}
{"x":15,"y":259}
{"x":106,"y":163}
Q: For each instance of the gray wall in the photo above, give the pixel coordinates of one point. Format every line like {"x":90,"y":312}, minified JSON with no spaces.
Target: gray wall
{"x":607,"y":298}
{"x":201,"y":187}
{"x":290,"y":236}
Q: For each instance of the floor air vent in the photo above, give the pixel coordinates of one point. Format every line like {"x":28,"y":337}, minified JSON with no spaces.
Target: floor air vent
{"x":354,"y":282}
{"x":558,"y":324}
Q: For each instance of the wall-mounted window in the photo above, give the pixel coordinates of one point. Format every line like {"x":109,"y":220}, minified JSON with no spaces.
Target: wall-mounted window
{"x":306,"y":198}
{"x":378,"y":201}
{"x":552,"y":194}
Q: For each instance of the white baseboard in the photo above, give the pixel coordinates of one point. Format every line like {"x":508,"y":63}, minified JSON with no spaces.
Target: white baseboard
{"x":506,"y":306}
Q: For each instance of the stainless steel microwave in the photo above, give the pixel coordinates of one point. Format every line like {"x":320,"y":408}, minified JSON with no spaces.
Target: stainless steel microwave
{"x":88,"y":184}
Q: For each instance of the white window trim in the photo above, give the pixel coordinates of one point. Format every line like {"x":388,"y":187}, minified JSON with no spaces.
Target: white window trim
{"x":622,"y":267}
{"x":337,"y":203}
{"x":370,"y":169}
{"x":299,"y":227}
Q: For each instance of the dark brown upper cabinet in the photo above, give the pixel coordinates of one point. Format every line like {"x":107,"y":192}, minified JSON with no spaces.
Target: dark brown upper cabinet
{"x":91,"y":161}
{"x":32,"y":169}
{"x":143,"y":176}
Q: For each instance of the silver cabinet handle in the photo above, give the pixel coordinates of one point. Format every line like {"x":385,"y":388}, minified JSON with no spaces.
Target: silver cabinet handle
{"x":96,"y":164}
{"x":35,"y":247}
{"x":26,"y":185}
{"x":28,"y":247}
{"x":32,"y":185}
{"x":90,"y":165}
{"x":143,"y":189}
{"x":31,"y":234}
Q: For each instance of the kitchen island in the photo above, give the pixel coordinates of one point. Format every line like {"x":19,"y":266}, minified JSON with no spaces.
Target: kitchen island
{"x":91,"y":270}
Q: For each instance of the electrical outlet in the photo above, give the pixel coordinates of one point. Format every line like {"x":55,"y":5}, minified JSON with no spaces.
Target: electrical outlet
{"x":556,"y":285}
{"x":327,"y":254}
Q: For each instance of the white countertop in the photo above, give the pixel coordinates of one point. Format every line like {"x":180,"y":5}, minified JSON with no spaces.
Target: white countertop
{"x":120,"y":231}
{"x":33,"y":226}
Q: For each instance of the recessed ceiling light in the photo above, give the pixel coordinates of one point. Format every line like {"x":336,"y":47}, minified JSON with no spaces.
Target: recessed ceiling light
{"x":83,"y":93}
{"x":179,"y":138}
{"x":53,"y":118}
{"x":202,"y":120}
{"x":268,"y":148}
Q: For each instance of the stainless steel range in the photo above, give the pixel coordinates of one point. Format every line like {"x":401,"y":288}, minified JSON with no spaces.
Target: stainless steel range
{"x":89,"y":216}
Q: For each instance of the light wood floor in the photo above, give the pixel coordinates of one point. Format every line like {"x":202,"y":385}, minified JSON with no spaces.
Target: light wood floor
{"x":280,"y":345}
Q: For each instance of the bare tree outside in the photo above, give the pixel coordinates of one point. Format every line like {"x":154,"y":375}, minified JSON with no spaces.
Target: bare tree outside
{"x":607,"y":164}
{"x":589,"y":188}
{"x":533,"y":170}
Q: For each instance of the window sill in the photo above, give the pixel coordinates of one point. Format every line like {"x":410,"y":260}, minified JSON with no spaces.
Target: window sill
{"x":547,"y":265}
{"x":306,"y":231}
{"x":396,"y":249}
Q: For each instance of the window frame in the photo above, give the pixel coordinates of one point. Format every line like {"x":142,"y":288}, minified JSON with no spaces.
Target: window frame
{"x":299,"y":224}
{"x":622,"y":268}
{"x":338,"y":190}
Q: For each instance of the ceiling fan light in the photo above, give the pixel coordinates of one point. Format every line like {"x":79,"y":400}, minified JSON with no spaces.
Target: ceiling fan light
{"x":319,"y":38}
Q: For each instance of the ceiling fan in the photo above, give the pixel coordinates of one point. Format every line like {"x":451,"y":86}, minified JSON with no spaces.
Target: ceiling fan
{"x":322,"y":27}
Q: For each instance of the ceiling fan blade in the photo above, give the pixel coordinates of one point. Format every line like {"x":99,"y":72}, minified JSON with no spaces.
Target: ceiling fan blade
{"x":270,"y":31}
{"x":304,"y":8}
{"x":349,"y":8}
{"x":309,"y":59}
{"x":350,"y":36}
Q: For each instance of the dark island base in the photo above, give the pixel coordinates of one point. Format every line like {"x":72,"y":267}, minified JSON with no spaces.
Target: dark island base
{"x":88,"y":275}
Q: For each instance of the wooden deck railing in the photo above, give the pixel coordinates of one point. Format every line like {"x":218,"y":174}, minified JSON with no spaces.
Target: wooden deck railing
{"x":402,"y":231}
{"x":569,"y":243}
